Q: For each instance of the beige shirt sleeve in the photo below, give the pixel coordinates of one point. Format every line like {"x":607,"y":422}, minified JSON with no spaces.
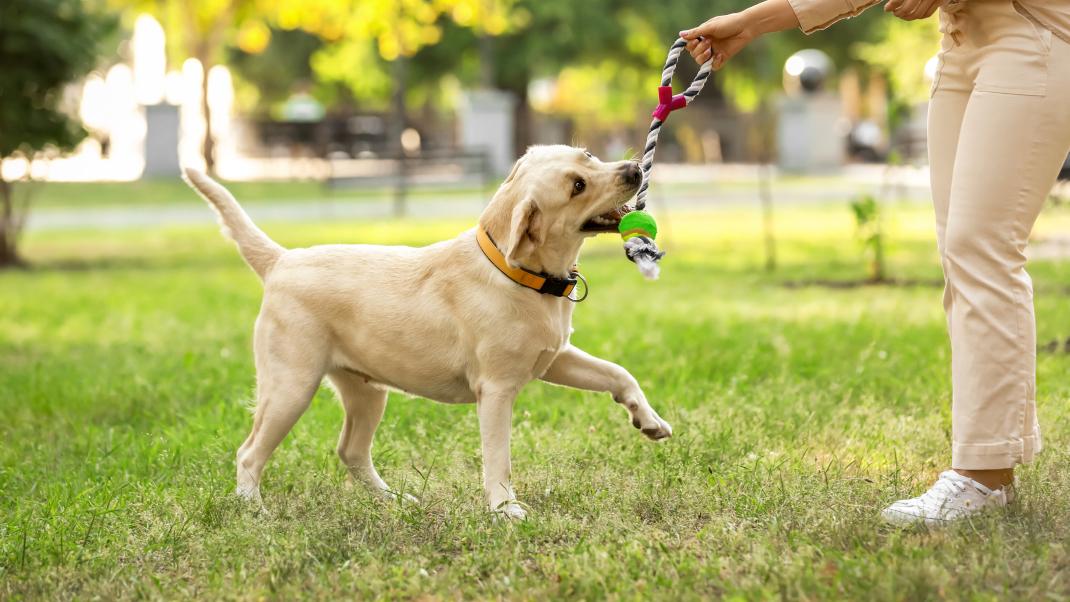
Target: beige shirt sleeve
{"x":819,"y":14}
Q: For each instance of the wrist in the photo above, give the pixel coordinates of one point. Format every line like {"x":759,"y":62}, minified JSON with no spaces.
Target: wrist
{"x":769,"y":17}
{"x":752,"y":23}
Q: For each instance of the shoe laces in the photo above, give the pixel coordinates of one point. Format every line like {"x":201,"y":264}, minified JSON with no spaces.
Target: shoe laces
{"x":948,"y":487}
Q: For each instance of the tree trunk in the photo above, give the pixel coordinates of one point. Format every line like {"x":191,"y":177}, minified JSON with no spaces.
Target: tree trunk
{"x":208,"y":148}
{"x":398,"y":122}
{"x":486,"y":61}
{"x":765,"y":187}
{"x":522,"y":127}
{"x":767,"y":143}
{"x":10,"y":226}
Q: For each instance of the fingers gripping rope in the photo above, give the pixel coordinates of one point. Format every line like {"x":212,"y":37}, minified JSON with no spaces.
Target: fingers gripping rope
{"x":639,"y":243}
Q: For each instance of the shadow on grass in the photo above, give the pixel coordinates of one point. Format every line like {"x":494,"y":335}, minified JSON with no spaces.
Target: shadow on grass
{"x":853,"y":284}
{"x":92,"y":264}
{"x":1055,"y":346}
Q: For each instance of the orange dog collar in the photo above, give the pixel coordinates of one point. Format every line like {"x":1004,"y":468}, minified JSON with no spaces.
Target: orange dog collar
{"x":539,"y":282}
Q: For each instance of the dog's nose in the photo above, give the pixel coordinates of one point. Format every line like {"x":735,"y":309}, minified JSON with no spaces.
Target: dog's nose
{"x":632,"y":175}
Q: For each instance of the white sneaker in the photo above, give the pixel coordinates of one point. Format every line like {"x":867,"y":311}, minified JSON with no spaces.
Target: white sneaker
{"x":953,"y":497}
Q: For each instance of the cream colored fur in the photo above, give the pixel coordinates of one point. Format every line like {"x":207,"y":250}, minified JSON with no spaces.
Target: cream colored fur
{"x":439,"y":322}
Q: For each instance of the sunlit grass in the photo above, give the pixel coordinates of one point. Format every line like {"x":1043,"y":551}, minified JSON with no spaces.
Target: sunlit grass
{"x":172,"y":191}
{"x":798,"y":412}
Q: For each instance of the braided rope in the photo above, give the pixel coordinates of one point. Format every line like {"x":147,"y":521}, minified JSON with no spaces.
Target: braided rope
{"x":689,"y":95}
{"x":640,"y":249}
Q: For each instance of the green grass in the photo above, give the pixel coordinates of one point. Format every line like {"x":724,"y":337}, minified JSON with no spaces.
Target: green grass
{"x":798,"y":413}
{"x":172,"y":191}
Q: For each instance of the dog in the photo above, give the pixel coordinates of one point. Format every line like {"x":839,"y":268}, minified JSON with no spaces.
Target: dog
{"x":467,"y":320}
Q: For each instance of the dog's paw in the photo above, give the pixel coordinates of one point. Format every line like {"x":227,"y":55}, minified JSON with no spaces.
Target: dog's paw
{"x":378,"y":488}
{"x":655,"y":430}
{"x":510,"y":511}
{"x":251,"y":501}
{"x":389,"y":495}
{"x":405,"y":498}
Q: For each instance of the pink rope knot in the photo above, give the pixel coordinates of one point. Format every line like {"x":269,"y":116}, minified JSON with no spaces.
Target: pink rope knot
{"x":667,"y":103}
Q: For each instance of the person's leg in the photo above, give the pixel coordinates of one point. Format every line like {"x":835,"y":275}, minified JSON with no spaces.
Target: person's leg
{"x":947,"y":109}
{"x":1009,"y":151}
{"x":994,"y":151}
{"x":946,"y":112}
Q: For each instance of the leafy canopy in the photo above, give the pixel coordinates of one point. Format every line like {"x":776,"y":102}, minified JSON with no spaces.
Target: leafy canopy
{"x":44,"y":45}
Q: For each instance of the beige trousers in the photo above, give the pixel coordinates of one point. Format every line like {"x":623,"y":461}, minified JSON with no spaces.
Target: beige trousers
{"x":999,"y":129}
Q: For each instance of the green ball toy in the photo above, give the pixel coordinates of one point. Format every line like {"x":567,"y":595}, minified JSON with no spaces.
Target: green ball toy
{"x":638,"y":223}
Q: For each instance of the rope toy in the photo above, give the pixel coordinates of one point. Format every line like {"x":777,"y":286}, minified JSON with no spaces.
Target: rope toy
{"x":638,"y":228}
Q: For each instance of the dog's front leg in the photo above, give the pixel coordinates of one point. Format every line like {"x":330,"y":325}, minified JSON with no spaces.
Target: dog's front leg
{"x":494,"y":405}
{"x":575,"y":368}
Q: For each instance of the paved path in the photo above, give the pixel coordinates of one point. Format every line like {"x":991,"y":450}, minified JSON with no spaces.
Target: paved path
{"x":423,"y":207}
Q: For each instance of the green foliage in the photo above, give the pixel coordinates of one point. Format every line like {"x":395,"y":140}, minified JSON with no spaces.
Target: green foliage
{"x":44,"y":46}
{"x":867,"y":214}
{"x":606,"y":55}
{"x":903,"y":49}
{"x":269,"y":76}
{"x":187,"y":24}
{"x":356,"y":65}
{"x":607,"y":52}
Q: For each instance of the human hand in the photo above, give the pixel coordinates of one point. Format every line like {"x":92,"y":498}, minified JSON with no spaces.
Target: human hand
{"x":909,"y":10}
{"x":719,"y":38}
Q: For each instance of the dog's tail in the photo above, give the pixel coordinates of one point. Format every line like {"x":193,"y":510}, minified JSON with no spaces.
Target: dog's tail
{"x":259,"y":251}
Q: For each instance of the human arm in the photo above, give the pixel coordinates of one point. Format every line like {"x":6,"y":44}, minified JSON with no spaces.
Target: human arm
{"x":722,"y":37}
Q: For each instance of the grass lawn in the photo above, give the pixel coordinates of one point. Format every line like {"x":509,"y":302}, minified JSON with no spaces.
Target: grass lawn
{"x":798,"y":413}
{"x":172,"y":191}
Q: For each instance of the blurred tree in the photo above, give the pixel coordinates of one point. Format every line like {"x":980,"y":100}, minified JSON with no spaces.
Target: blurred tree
{"x":902,"y":52}
{"x":44,"y":46}
{"x":201,"y":29}
{"x":617,"y":40}
{"x":375,"y":54}
{"x":606,"y":55}
{"x":268,"y":75}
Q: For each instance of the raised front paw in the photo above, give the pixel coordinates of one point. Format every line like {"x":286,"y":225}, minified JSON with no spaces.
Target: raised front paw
{"x":655,"y":429}
{"x":645,"y":418}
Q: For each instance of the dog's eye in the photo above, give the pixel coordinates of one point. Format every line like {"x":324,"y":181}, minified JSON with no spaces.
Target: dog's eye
{"x":589,"y":155}
{"x":579,"y":187}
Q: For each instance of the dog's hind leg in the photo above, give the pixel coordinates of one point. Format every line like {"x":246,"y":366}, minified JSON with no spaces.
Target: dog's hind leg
{"x":288,"y":373}
{"x":364,"y":405}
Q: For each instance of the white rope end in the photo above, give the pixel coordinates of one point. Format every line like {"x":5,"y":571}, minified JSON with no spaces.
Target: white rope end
{"x":649,"y":269}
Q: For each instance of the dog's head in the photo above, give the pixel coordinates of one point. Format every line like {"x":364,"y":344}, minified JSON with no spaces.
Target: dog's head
{"x":553,"y":199}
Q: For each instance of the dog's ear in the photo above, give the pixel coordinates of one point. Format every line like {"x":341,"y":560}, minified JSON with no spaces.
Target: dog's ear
{"x":525,"y":231}
{"x":512,"y":172}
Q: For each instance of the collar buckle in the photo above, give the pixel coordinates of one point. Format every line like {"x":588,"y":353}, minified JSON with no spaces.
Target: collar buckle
{"x":558,"y":287}
{"x":586,"y":289}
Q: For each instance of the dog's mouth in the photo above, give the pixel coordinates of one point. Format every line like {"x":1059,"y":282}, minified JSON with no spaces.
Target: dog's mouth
{"x":606,"y":222}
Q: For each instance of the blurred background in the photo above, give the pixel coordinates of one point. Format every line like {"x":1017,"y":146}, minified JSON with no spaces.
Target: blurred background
{"x":386,"y":101}
{"x":398,"y":101}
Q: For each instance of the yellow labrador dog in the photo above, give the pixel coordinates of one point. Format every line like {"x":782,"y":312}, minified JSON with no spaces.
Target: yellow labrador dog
{"x":467,"y":320}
